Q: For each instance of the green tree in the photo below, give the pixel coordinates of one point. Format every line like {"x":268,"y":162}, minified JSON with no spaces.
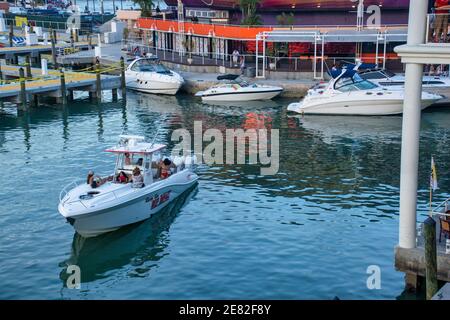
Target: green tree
{"x":248,"y":9}
{"x":286,"y":19}
{"x":146,"y":7}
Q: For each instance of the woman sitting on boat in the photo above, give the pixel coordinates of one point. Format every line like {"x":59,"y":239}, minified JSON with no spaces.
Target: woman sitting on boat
{"x":122,"y":177}
{"x":165,"y":168}
{"x":137,"y":178}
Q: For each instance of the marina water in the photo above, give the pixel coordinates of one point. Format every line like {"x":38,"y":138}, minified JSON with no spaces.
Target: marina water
{"x":311,"y":231}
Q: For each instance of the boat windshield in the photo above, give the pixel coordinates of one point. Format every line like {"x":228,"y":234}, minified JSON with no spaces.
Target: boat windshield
{"x":354,"y":84}
{"x":147,"y":65}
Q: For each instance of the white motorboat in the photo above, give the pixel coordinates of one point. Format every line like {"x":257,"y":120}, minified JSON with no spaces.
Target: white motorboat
{"x":348,"y":94}
{"x":150,"y":76}
{"x":95,"y":210}
{"x":237,"y":89}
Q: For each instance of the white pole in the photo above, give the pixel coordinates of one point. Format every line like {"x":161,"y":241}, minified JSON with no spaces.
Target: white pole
{"x":44,"y":67}
{"x":323,"y":49}
{"x":257,"y":57}
{"x":264,"y":58}
{"x":411,"y":129}
{"x":376,"y":52}
{"x":384,"y":50}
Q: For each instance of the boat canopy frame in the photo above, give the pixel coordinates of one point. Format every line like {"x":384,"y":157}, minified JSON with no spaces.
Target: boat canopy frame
{"x":319,"y":39}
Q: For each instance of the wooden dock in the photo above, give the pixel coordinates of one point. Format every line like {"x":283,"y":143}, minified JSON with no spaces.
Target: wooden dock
{"x":51,"y":85}
{"x":33,"y":50}
{"x":412,"y":261}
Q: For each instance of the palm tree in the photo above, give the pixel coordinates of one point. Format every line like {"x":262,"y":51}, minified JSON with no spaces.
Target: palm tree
{"x":286,"y":19}
{"x":146,"y":7}
{"x":249,"y":16}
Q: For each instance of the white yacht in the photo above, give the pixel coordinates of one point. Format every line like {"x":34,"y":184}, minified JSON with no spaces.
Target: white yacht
{"x":237,"y":89}
{"x":150,"y":76}
{"x":348,"y":94}
{"x":95,"y":209}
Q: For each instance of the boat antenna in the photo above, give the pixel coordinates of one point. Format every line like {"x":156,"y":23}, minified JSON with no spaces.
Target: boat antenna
{"x":156,"y":135}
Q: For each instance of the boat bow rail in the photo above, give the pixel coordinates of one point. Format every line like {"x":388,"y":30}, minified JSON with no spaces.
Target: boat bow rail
{"x":67,"y":188}
{"x":442,"y":208}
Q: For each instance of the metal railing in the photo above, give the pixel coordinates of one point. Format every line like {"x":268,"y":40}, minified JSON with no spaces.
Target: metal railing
{"x":302,"y":26}
{"x":302,"y":63}
{"x":442,"y":205}
{"x":66,"y":190}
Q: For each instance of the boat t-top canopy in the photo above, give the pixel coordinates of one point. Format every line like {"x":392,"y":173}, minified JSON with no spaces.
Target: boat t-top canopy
{"x":135,"y":144}
{"x":145,"y":148}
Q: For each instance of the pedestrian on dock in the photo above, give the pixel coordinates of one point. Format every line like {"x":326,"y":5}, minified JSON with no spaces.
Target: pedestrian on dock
{"x":441,"y":22}
{"x":235,"y":56}
{"x":242,"y":64}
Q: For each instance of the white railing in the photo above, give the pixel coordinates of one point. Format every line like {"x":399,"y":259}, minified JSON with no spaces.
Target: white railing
{"x":442,"y":205}
{"x":66,"y":189}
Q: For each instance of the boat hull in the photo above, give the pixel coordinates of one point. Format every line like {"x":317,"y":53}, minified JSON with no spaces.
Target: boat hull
{"x":152,"y":82}
{"x":138,"y":209}
{"x":157,"y":90}
{"x":244,"y":96}
{"x":366,"y":108}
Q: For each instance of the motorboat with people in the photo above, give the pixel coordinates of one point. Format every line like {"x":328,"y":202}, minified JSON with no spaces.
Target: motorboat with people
{"x":143,"y":183}
{"x":391,"y":80}
{"x":149,"y":75}
{"x":235,"y":88}
{"x":349,"y":94}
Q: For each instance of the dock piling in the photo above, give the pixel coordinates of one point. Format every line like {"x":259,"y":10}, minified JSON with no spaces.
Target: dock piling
{"x":99,"y":82}
{"x":35,"y":100}
{"x":53,"y":41}
{"x":63,"y":87}
{"x":11,"y":33}
{"x":23,"y":94}
{"x":122,"y":78}
{"x":72,"y":39}
{"x":430,"y":257}
{"x":28,"y":66}
{"x":114,"y":95}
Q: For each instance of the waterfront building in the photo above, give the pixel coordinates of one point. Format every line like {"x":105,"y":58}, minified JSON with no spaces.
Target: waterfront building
{"x":292,"y":36}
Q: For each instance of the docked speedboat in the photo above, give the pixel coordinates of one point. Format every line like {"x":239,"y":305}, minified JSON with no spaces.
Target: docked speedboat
{"x":93,"y":210}
{"x":348,"y":94}
{"x":237,"y":89}
{"x":150,"y":76}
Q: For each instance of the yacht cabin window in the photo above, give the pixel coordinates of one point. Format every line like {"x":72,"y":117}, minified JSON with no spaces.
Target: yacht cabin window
{"x":354,"y":84}
{"x":149,"y":65}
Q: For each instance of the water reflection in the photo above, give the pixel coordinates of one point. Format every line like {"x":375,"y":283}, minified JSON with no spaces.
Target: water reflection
{"x":139,"y":246}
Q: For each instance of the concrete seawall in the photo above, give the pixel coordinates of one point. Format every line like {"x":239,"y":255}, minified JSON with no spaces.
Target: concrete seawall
{"x":195,"y":82}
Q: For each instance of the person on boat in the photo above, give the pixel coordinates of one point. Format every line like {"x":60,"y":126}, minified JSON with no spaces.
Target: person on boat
{"x":90,"y":177}
{"x":165,"y":168}
{"x":140,"y":162}
{"x":122,"y":177}
{"x":137,"y":178}
{"x":127,"y":159}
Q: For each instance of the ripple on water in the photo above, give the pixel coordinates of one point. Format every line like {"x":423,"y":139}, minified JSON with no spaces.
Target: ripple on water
{"x":309,"y":232}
